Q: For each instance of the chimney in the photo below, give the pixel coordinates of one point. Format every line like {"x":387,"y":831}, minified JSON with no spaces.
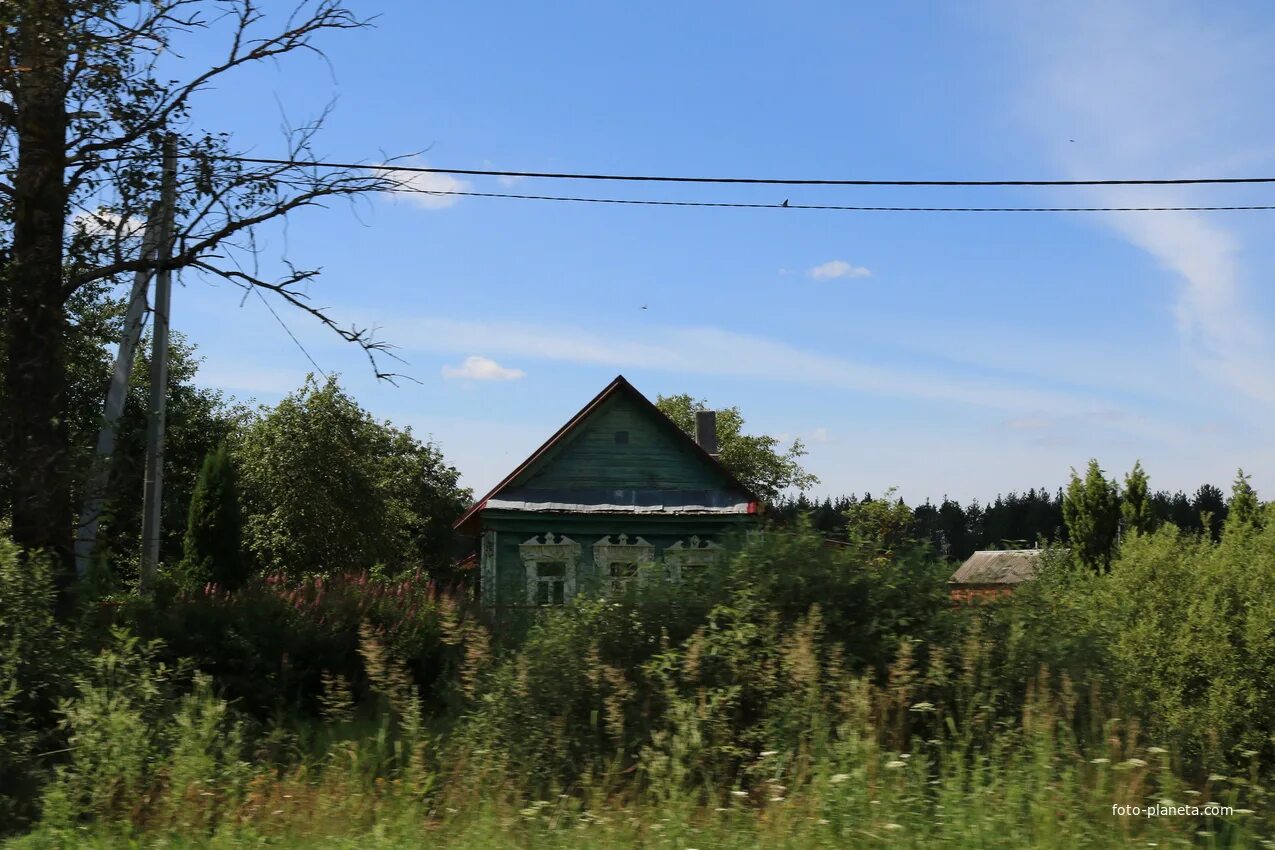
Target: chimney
{"x":706,"y":430}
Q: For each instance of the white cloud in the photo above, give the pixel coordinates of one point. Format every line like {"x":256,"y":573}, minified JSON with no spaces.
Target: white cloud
{"x":106,"y":223}
{"x":1156,"y":92}
{"x":838,"y":268}
{"x":707,"y":350}
{"x":423,"y":188}
{"x":476,"y":368}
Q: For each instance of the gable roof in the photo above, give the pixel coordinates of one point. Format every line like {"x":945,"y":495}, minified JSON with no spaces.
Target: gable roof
{"x":619,"y":387}
{"x":1000,"y":566}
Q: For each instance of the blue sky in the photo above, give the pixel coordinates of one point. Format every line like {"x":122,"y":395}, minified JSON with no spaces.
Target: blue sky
{"x":944,"y":354}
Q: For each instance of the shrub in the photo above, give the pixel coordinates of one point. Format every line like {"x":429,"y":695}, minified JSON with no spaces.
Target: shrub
{"x":597,"y":684}
{"x":271,"y":645}
{"x":37,"y":660}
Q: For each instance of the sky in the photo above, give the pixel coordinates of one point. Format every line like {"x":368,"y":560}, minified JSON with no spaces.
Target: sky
{"x":960,"y":355}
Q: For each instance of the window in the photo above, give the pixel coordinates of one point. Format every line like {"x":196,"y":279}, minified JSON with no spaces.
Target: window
{"x":620,"y":574}
{"x":689,"y":558}
{"x":619,"y":559}
{"x":551,"y":583}
{"x":550,"y":562}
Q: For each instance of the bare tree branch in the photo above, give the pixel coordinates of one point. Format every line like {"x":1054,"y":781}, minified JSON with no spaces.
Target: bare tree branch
{"x":284,"y":288}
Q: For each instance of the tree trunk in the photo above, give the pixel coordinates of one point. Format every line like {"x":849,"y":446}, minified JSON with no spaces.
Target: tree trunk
{"x":35,"y":371}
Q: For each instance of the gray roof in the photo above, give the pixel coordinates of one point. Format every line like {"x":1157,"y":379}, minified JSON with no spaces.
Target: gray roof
{"x":1004,"y":566}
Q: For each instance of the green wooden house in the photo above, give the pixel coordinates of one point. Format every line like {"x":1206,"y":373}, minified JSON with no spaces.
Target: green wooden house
{"x":617,"y":488}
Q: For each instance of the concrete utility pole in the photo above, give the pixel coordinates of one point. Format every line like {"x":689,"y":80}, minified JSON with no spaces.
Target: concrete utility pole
{"x":153,"y":494}
{"x":116,"y":395}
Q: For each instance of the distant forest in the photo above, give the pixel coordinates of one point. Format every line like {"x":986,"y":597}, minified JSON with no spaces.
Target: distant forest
{"x":1018,"y":520}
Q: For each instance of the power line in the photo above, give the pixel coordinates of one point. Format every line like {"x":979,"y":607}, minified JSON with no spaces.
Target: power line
{"x":289,"y":332}
{"x":841,"y":207}
{"x":762,"y":181}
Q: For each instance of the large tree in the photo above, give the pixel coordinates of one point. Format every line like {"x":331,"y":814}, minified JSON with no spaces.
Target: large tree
{"x":83,"y":114}
{"x":758,"y":460}
{"x":328,"y":489}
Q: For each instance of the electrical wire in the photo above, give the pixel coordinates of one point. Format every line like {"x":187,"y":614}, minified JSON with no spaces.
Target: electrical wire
{"x":838,"y":207}
{"x":762,"y":181}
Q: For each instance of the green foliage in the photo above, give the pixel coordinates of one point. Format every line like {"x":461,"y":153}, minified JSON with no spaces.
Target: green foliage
{"x":328,"y":489}
{"x":214,"y":528}
{"x":598,"y":684}
{"x":146,"y":743}
{"x":1243,"y":510}
{"x":1135,"y":506}
{"x":802,"y":693}
{"x":198,"y":420}
{"x":757,"y":460}
{"x":1191,"y":626}
{"x":37,"y":655}
{"x":1091,"y":509}
{"x":884,"y":524}
{"x":272,"y":644}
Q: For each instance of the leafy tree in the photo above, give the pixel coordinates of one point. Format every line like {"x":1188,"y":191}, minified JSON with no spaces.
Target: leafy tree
{"x":757,"y":460}
{"x":1091,"y":509}
{"x":198,"y":419}
{"x":1135,"y":506}
{"x":883,"y":525}
{"x":214,"y":528}
{"x":1243,"y":510}
{"x":83,"y":115}
{"x":327,"y":488}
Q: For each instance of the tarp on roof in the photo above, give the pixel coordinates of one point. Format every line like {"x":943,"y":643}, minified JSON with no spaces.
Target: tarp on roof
{"x":627,"y":501}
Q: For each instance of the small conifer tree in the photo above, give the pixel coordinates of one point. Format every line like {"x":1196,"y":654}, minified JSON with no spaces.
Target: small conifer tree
{"x":214,"y":528}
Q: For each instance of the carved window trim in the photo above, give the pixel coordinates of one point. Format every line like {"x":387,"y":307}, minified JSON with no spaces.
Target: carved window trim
{"x":628,"y":554}
{"x":487,"y":567}
{"x":692,"y":553}
{"x":546,"y":549}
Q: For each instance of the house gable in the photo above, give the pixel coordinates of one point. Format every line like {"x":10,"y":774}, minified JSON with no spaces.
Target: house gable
{"x":621,"y":454}
{"x":621,"y":446}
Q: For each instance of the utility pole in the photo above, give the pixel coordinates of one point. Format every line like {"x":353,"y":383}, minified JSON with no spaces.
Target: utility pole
{"x":116,"y":395}
{"x":153,"y":494}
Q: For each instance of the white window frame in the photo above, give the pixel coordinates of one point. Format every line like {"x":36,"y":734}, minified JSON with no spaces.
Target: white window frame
{"x":694,"y":552}
{"x":634,"y":552}
{"x":549,"y":548}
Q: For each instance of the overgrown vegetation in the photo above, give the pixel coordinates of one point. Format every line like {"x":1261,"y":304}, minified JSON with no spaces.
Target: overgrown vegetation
{"x":797,"y":694}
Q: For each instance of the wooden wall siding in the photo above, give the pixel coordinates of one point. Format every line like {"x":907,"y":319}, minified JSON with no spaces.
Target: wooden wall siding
{"x":511,"y":578}
{"x":651,"y":459}
{"x":974,"y":595}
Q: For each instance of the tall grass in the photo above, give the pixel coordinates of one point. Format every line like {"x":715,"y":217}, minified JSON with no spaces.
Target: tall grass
{"x":797,"y":697}
{"x":1028,"y":785}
